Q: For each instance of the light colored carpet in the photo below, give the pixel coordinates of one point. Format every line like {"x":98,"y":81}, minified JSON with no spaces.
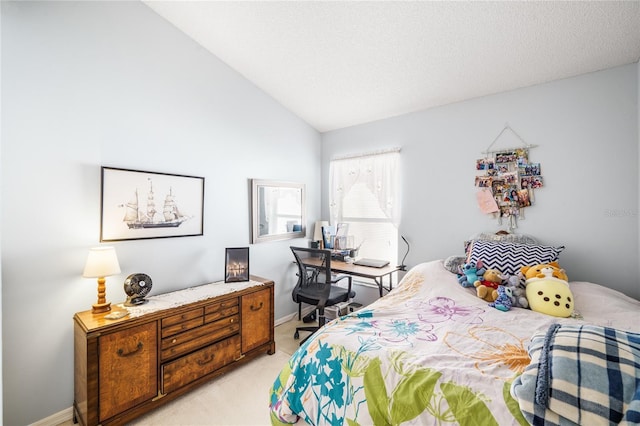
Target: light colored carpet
{"x":240,"y":397}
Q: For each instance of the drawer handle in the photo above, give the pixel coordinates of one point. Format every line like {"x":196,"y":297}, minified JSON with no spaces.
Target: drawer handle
{"x":253,"y":308}
{"x":206,"y":361}
{"x":137,"y":349}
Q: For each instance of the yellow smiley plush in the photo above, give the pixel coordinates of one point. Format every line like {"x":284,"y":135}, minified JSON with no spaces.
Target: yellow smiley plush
{"x":548,"y":289}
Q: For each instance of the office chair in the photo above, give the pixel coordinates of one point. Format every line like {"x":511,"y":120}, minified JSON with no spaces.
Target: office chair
{"x":316,"y":285}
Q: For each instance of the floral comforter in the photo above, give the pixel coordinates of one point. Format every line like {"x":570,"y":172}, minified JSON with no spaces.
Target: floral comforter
{"x":429,"y":352}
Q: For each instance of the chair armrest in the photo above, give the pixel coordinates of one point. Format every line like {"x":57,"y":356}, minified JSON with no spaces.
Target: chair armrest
{"x":340,"y":278}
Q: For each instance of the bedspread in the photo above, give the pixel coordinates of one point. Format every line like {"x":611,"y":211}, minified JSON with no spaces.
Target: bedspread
{"x":429,"y":352}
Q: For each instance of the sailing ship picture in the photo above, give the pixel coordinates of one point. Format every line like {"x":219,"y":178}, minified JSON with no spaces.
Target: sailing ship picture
{"x":139,"y":205}
{"x":135,"y":217}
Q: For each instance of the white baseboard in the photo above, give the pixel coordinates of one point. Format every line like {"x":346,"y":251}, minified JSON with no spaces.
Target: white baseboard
{"x":57,"y":418}
{"x":286,"y":318}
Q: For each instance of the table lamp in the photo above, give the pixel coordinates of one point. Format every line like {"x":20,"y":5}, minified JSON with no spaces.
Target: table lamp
{"x":101,"y":262}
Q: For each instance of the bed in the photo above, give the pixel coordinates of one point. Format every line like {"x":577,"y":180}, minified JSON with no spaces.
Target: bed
{"x":432,"y":352}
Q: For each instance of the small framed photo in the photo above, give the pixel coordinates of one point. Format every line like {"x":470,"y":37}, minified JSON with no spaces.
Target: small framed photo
{"x":531,"y":169}
{"x":536,"y":182}
{"x":510,"y":178}
{"x":506,"y":157}
{"x":523,"y":198}
{"x":485,"y":164}
{"x":498,"y":187}
{"x":236,"y":264}
{"x":522,"y":156}
{"x":483,"y":181}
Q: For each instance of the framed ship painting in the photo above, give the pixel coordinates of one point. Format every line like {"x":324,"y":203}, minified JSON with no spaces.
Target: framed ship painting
{"x":236,"y":264}
{"x":139,"y":205}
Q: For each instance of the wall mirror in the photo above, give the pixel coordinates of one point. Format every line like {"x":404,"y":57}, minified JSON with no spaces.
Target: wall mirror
{"x":277,"y":211}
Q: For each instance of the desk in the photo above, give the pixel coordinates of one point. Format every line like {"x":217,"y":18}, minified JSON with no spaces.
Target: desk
{"x":375,"y":274}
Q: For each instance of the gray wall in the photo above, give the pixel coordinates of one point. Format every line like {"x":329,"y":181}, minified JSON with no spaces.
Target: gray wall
{"x":111,"y":83}
{"x":586,"y":129}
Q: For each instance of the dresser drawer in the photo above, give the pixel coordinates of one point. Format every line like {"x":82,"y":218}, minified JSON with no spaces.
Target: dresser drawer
{"x":222,"y":313}
{"x":184,"y":370}
{"x":193,"y":339}
{"x":182,"y":322}
{"x":221,"y":309}
{"x":178,"y":318}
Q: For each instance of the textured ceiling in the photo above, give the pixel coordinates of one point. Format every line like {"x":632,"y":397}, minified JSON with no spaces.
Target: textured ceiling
{"x":338,"y":64}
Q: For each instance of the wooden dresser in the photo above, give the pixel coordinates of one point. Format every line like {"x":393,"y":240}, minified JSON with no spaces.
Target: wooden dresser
{"x":128,"y":366}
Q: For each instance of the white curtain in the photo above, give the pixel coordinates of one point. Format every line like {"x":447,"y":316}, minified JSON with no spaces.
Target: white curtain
{"x":380,"y":172}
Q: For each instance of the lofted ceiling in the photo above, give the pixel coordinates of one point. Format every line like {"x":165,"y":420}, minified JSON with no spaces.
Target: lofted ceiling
{"x":342,"y":63}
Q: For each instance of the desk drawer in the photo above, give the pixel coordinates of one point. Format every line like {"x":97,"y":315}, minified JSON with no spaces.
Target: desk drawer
{"x":191,"y":367}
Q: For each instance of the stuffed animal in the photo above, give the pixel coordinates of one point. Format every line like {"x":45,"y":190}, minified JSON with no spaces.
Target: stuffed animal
{"x":518,"y":290}
{"x":503,"y":302}
{"x":548,"y":289}
{"x":487,"y":287}
{"x":470,"y":273}
{"x":543,"y":270}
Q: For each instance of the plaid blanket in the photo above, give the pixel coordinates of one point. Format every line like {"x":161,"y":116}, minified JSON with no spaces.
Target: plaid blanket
{"x":585,"y":375}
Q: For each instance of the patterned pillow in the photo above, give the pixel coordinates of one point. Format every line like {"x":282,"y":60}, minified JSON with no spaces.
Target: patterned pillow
{"x":509,"y":257}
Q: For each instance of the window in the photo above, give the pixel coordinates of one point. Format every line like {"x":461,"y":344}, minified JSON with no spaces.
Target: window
{"x":364,"y":192}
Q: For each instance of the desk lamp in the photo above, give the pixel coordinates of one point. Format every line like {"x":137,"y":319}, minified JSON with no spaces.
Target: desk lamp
{"x":101,"y":262}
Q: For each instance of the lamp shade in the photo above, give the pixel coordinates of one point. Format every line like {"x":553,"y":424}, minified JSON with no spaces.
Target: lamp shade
{"x":101,"y":262}
{"x":317,"y":231}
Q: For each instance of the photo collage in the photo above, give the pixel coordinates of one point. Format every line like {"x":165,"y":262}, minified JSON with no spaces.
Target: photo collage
{"x":506,"y":182}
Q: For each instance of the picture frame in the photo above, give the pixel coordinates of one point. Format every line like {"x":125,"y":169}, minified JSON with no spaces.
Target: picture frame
{"x":136,"y":205}
{"x":236,"y":264}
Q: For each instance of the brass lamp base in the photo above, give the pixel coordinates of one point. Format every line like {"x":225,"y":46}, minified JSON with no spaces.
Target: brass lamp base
{"x":98,"y":308}
{"x":101,"y":305}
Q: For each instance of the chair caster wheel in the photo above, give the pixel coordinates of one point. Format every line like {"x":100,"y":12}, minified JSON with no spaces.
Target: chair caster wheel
{"x":296,"y":335}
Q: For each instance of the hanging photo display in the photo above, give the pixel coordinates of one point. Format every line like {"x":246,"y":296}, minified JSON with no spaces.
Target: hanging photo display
{"x":506,"y":181}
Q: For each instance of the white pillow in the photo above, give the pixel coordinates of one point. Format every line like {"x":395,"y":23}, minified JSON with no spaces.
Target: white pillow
{"x":500,"y":238}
